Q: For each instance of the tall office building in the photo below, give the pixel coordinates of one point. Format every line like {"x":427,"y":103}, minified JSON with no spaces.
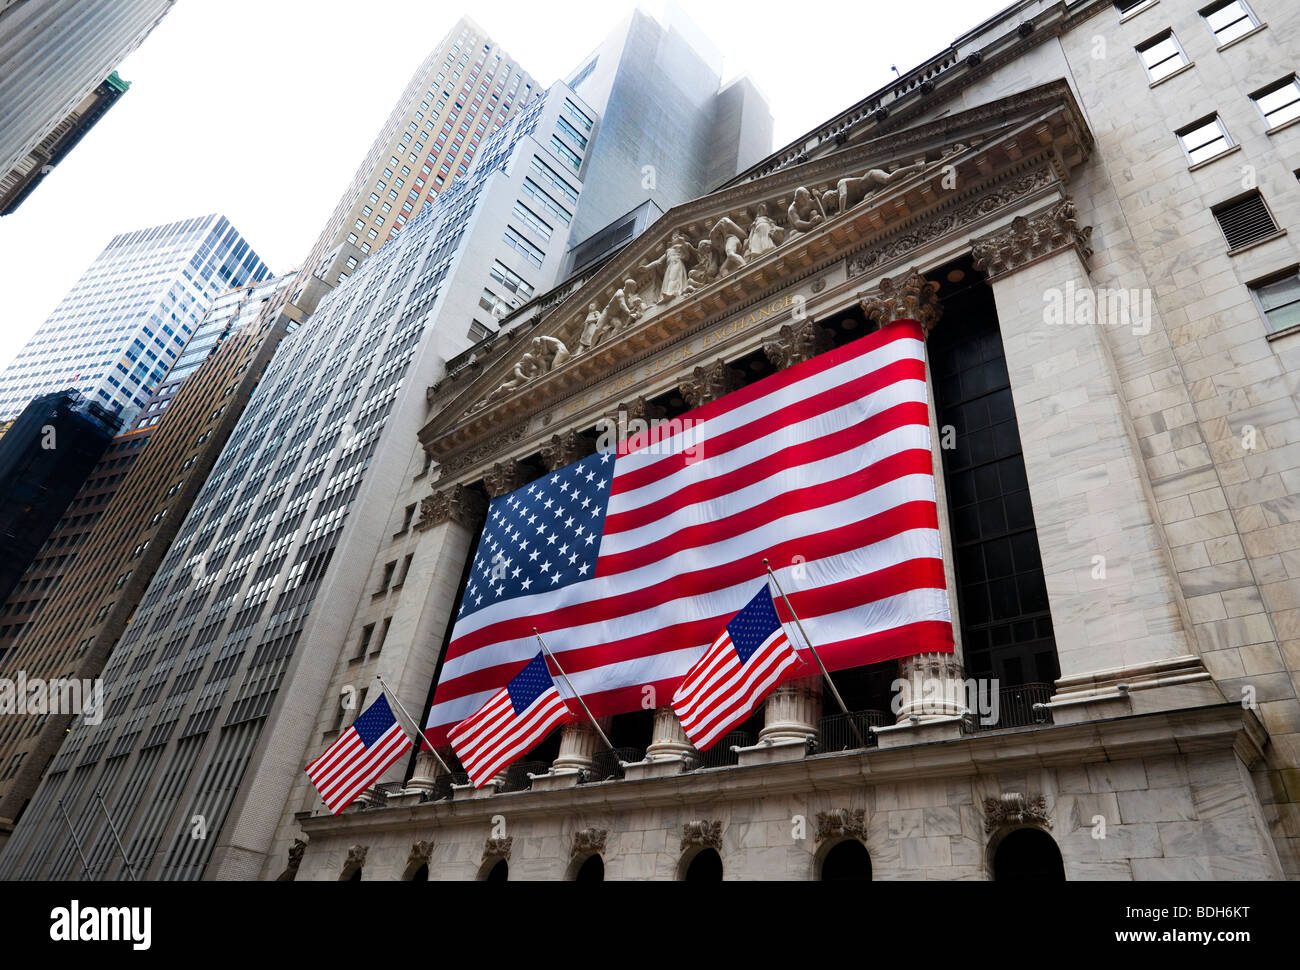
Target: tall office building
{"x":77,"y":599}
{"x":60,"y":59}
{"x":466,"y":89}
{"x":75,"y":531}
{"x":215,"y":687}
{"x":128,"y":319}
{"x":53,"y":445}
{"x":659,"y":77}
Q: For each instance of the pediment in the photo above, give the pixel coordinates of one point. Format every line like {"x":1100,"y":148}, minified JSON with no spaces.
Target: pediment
{"x":723,"y":251}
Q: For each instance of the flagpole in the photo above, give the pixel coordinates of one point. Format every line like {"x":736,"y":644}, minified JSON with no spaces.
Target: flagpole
{"x":113,"y":828}
{"x":75,"y":841}
{"x":574,"y":692}
{"x":816,"y":656}
{"x":388,"y":690}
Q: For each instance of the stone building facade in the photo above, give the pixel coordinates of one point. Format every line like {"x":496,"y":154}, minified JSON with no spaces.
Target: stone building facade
{"x":1004,"y":194}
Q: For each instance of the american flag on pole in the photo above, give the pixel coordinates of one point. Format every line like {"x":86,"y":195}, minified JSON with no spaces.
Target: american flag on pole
{"x":360,"y":755}
{"x":513,"y":721}
{"x":742,"y":666}
{"x":629,"y":563}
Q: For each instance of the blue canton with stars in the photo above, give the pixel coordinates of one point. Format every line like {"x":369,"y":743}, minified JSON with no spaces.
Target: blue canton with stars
{"x":752,"y":626}
{"x":375,"y":721}
{"x":545,"y":535}
{"x":529,"y":684}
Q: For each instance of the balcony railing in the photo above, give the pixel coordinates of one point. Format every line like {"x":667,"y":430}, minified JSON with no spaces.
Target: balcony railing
{"x":442,"y":786}
{"x":605,"y":764}
{"x":835,"y":731}
{"x":721,"y":755}
{"x":517,"y":774}
{"x":1015,"y":708}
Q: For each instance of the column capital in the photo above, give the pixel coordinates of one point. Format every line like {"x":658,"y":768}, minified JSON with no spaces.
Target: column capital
{"x":564,"y":449}
{"x":796,"y":342}
{"x":453,"y":504}
{"x":708,"y":382}
{"x":1031,"y":238}
{"x":504,"y":477}
{"x":910,"y":297}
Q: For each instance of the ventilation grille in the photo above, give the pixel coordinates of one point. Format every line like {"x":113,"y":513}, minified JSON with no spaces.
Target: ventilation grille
{"x":1245,"y":220}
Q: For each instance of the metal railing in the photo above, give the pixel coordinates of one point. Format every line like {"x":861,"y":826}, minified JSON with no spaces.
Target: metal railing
{"x":517,"y":774}
{"x":721,"y":755}
{"x":835,"y":731}
{"x":1016,"y":708}
{"x":605,"y":763}
{"x":442,"y":786}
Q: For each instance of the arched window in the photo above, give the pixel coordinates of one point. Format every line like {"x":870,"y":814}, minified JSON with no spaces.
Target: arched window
{"x":705,"y":867}
{"x":499,"y":872}
{"x":847,"y":860}
{"x":1028,"y":855}
{"x":591,"y":870}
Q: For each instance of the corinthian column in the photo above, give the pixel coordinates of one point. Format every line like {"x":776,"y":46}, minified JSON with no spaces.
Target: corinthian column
{"x":933,"y":683}
{"x":792,"y":712}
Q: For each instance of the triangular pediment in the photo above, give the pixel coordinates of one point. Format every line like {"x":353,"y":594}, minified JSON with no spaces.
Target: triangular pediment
{"x":727,"y":249}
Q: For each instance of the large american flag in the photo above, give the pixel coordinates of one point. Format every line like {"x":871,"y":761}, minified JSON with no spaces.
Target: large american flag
{"x":726,"y":685}
{"x":629,"y":564}
{"x":360,"y":755}
{"x":513,"y":721}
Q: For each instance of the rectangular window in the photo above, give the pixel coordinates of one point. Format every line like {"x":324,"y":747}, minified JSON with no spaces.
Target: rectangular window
{"x":533,"y":220}
{"x":511,"y":280}
{"x":1162,"y":56}
{"x":566,"y":153}
{"x":1245,"y":219}
{"x":578,"y":117}
{"x":1278,"y":298}
{"x":1279,"y":102}
{"x":515,"y":240}
{"x":573,"y":134}
{"x":1229,"y":19}
{"x":1204,"y":139}
{"x":548,"y":205}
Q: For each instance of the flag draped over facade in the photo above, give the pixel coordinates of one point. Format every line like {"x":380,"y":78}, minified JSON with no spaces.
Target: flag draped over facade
{"x":629,"y":563}
{"x":360,"y":755}
{"x":748,"y":659}
{"x":514,"y":720}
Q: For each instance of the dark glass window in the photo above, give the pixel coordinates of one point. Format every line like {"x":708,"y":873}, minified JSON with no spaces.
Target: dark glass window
{"x":1006,"y":626}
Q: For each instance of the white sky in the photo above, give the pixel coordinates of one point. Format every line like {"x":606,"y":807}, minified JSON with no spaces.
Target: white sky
{"x":262,"y":109}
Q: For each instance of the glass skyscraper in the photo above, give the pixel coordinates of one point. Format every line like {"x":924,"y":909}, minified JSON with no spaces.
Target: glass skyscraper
{"x":123,"y":325}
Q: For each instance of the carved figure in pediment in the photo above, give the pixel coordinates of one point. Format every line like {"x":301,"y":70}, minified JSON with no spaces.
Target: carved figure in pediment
{"x":764,"y":234}
{"x":550,"y":353}
{"x":590,"y":329}
{"x":706,"y":267}
{"x":728,"y":238}
{"x":806,"y":212}
{"x":623,"y":308}
{"x":673,"y":264}
{"x":850,"y":191}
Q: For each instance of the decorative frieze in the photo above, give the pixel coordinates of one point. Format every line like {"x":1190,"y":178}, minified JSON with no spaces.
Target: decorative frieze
{"x":1013,"y":808}
{"x":702,"y":833}
{"x":709,"y":382}
{"x":356,"y":860}
{"x":951,"y":220}
{"x":588,"y":842}
{"x":564,"y":449}
{"x":454,"y":504}
{"x":1030,"y":238}
{"x":482,"y":452}
{"x":504,"y":477}
{"x":295,"y":860}
{"x":498,"y":848}
{"x":420,"y":854}
{"x":911,"y":297}
{"x":840,"y":823}
{"x":796,"y":342}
